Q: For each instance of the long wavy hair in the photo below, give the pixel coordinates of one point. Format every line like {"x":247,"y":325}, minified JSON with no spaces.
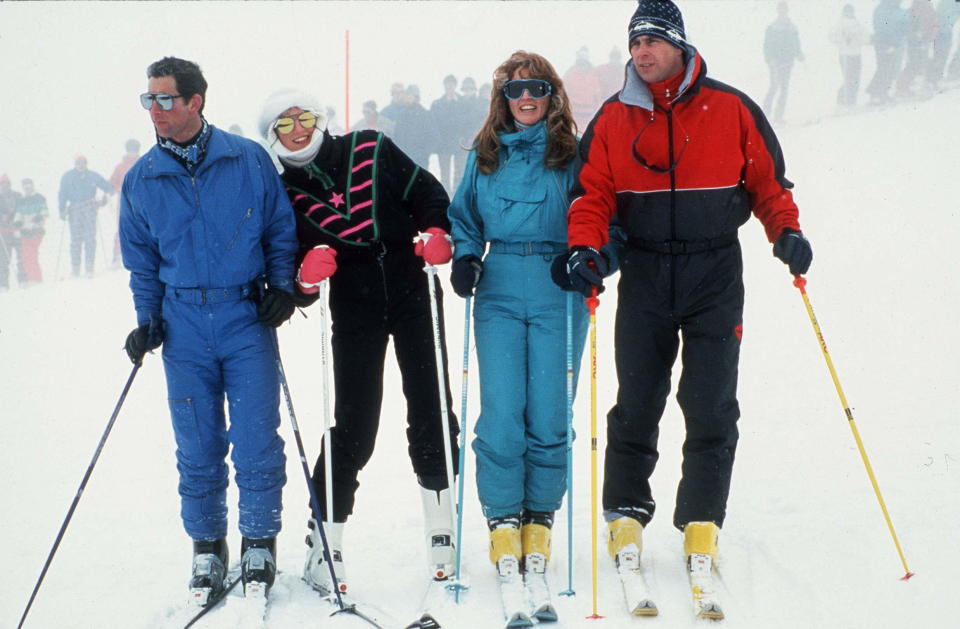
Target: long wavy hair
{"x":561,"y":128}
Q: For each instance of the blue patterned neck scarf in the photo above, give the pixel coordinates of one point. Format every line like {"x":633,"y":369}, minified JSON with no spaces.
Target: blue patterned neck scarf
{"x":191,"y":153}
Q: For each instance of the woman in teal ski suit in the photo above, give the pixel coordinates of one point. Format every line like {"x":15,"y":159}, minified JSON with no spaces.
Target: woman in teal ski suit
{"x":514,"y":195}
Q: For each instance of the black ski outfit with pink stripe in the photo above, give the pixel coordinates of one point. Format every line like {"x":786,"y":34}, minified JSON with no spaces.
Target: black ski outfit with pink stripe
{"x":366,"y":199}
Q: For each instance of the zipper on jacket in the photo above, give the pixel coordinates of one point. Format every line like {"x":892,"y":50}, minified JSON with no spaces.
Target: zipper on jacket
{"x":673,"y":210}
{"x":236,"y":233}
{"x":196,"y":195}
{"x":381,"y":253}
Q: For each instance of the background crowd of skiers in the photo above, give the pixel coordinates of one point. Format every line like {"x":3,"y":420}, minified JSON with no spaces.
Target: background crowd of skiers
{"x":912,"y":41}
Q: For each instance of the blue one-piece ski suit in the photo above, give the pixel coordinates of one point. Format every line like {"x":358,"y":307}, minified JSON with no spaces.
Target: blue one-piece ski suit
{"x":520,"y":322}
{"x":197,"y":247}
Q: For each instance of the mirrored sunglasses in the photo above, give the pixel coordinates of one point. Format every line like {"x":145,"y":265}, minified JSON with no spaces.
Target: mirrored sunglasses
{"x":538,"y":88}
{"x":164,"y":100}
{"x":283,"y":126}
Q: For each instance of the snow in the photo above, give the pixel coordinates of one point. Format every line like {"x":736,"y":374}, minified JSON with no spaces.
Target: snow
{"x":805,"y":543}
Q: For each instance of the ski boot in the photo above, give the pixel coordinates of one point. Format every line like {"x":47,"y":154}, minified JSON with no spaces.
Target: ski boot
{"x":535,"y":544}
{"x":209,"y":571}
{"x":438,"y":529}
{"x":625,"y":542}
{"x":700,"y":551}
{"x":315,"y":572}
{"x":258,"y":566}
{"x":506,"y":551}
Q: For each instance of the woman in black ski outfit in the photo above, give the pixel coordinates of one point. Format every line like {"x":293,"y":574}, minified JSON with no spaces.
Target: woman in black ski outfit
{"x":359,"y":203}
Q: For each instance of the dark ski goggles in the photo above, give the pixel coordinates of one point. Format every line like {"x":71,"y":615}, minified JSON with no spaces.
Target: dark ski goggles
{"x":164,"y":100}
{"x":307,"y":120}
{"x":538,"y":88}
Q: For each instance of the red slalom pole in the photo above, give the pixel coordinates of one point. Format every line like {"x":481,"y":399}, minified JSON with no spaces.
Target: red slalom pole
{"x":801,"y":284}
{"x":346,"y":106}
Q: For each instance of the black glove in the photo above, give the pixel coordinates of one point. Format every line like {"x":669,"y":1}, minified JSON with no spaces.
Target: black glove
{"x":145,"y":338}
{"x":794,"y":250}
{"x":558,"y":272}
{"x":276,"y":306}
{"x":586,"y":267}
{"x":302,"y":300}
{"x":465,"y":275}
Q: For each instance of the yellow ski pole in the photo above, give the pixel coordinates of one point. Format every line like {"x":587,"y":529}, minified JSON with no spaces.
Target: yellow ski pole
{"x":801,"y":283}
{"x":592,"y":303}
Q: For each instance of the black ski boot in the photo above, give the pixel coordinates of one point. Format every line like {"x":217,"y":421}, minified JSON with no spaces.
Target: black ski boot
{"x":209,"y":572}
{"x":258,"y":566}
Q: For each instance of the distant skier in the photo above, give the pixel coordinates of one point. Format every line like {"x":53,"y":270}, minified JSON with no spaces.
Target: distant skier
{"x":891,"y":28}
{"x":415,"y":133}
{"x":30,"y":219}
{"x":209,"y":238}
{"x":79,"y":205}
{"x":850,"y":36}
{"x":923,"y":30}
{"x":781,"y":49}
{"x":448,"y":113}
{"x":583,"y":86}
{"x":9,"y":234}
{"x":129,"y":158}
{"x":682,"y":160}
{"x":359,"y":202}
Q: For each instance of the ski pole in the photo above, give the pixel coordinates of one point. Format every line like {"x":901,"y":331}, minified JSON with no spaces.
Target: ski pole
{"x":431,"y":272}
{"x":458,"y":586}
{"x":592,"y":303}
{"x":569,"y":591}
{"x":801,"y":283}
{"x":327,"y":446}
{"x":314,"y":501}
{"x":83,"y":484}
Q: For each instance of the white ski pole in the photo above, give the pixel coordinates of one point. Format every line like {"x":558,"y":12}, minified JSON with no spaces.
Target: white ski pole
{"x":324,"y":368}
{"x":431,"y":272}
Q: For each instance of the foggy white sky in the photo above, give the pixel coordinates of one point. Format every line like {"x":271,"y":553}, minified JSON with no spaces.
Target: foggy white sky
{"x":72,"y":70}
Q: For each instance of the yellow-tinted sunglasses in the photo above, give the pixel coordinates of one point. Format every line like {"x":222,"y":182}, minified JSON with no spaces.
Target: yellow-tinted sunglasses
{"x":283,"y":126}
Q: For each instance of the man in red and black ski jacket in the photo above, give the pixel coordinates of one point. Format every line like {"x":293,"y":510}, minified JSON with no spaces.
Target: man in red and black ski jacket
{"x":680,"y":161}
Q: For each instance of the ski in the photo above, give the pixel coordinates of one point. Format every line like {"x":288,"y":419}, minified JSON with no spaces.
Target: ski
{"x":213,"y":602}
{"x":513,"y":594}
{"x":706,"y":603}
{"x":636,"y":593}
{"x":369,"y":613}
{"x":537,"y":590}
{"x":434,"y":597}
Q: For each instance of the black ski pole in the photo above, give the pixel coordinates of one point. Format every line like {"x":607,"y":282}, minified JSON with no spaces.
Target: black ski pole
{"x":83,"y":484}
{"x":314,"y":501}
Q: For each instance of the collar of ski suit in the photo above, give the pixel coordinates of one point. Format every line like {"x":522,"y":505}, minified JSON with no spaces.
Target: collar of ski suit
{"x":161,"y":162}
{"x":525,"y":138}
{"x":637,"y":92}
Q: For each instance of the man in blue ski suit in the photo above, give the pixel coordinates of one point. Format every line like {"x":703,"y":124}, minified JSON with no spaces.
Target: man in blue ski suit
{"x":204,"y":223}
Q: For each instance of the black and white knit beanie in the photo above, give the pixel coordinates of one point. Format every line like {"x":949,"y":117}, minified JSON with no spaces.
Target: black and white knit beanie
{"x":660,"y":18}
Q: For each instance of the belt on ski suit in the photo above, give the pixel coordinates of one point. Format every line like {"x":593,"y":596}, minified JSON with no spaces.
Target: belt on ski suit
{"x":681,"y":247}
{"x":527,"y":248}
{"x":203,"y":296}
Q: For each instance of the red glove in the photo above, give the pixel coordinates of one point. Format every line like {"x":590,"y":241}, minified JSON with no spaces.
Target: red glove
{"x":319,"y":264}
{"x":434,"y":246}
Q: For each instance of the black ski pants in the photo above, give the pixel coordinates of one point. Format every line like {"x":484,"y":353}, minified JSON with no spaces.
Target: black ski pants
{"x":664,"y":298}
{"x":375,"y":295}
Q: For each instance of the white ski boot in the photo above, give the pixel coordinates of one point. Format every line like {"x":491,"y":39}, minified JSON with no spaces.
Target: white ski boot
{"x":315,"y":572}
{"x":438,"y":529}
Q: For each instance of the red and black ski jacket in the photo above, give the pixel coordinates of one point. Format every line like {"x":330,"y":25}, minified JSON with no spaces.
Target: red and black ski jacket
{"x":692,"y":171}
